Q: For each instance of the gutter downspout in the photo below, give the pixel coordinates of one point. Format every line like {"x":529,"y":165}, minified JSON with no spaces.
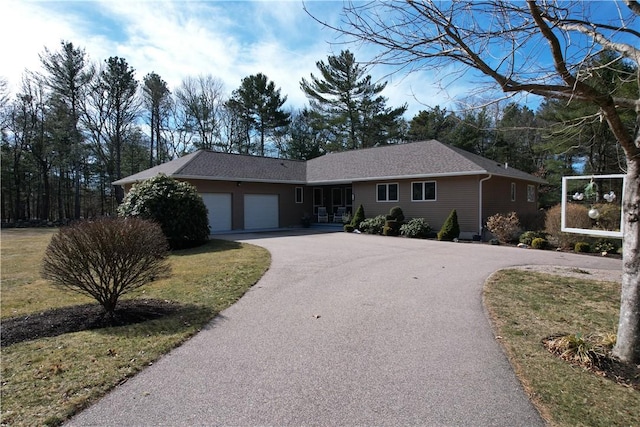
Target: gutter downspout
{"x":480,"y":205}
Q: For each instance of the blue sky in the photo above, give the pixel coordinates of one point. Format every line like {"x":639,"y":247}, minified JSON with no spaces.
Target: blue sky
{"x":176,"y":39}
{"x":229,"y":40}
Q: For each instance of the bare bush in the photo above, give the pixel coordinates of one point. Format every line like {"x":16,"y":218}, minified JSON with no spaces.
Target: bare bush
{"x":107,"y":258}
{"x":506,"y":228}
{"x":576,"y":217}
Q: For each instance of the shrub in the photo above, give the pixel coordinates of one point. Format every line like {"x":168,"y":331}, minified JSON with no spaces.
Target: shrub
{"x":539,"y":243}
{"x":450,"y":229}
{"x":175,"y":205}
{"x":582,"y":247}
{"x":528,"y":236}
{"x":576,"y":217}
{"x":504,"y":227}
{"x":417,"y":228}
{"x":606,"y":245}
{"x":348,"y":228}
{"x":391,"y":227}
{"x":107,"y":258}
{"x":609,"y":218}
{"x":373,"y":225}
{"x":358,"y":217}
{"x":396,"y":214}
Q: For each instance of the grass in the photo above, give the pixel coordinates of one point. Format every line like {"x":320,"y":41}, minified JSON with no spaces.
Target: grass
{"x":46,"y":381}
{"x":528,"y":307}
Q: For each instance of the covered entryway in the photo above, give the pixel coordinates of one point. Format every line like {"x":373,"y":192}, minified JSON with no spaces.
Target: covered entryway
{"x":219,"y":207}
{"x":260,"y":211}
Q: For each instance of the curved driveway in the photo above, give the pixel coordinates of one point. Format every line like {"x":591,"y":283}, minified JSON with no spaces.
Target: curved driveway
{"x":344,"y":330}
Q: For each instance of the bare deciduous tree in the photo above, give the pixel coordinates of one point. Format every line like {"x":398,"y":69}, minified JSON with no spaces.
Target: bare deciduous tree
{"x":543,"y":48}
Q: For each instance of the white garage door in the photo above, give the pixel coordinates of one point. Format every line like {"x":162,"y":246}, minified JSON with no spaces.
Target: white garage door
{"x":219,"y":206}
{"x":260,"y":211}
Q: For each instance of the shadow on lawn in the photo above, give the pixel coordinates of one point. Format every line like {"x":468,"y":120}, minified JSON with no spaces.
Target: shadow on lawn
{"x":211,"y":246}
{"x":78,"y":318}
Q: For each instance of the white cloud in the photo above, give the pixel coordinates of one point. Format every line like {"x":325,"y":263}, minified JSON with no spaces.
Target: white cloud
{"x":179,"y":39}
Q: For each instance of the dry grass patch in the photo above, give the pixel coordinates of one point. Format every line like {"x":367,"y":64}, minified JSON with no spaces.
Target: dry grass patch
{"x":528,"y":308}
{"x":46,"y":380}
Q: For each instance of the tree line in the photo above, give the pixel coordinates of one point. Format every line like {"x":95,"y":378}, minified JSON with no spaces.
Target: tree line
{"x":74,"y":127}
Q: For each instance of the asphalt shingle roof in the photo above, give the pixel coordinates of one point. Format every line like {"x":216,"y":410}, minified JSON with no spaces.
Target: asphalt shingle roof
{"x":204,"y":164}
{"x":417,"y":159}
{"x":413,"y":160}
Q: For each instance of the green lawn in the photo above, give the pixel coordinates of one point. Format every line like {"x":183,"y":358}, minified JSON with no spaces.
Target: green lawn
{"x":47,"y":380}
{"x":527,"y":307}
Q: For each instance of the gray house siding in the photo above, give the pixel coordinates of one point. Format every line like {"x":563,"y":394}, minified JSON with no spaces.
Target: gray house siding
{"x":460,"y":193}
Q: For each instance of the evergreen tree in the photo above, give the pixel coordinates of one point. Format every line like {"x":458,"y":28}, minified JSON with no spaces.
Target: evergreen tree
{"x":436,"y":123}
{"x":302,"y":142}
{"x":156,"y":96}
{"x":67,"y":75}
{"x":347,"y":105}
{"x":260,"y":104}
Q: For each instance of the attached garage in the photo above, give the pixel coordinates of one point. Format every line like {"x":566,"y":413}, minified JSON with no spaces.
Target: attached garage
{"x":261,"y":211}
{"x":219,"y":207}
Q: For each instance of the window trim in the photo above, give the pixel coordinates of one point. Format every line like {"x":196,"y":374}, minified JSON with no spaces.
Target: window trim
{"x":435,"y":191}
{"x":299,"y":195}
{"x":386,"y":185}
{"x":513,"y":191}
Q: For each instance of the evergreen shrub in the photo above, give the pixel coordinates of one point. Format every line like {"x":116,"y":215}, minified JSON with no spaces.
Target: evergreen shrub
{"x":175,"y":205}
{"x":528,"y":236}
{"x":582,"y":247}
{"x":358,"y":217}
{"x":373,"y":225}
{"x":417,"y":228}
{"x":391,"y":227}
{"x":539,"y":243}
{"x":450,"y":229}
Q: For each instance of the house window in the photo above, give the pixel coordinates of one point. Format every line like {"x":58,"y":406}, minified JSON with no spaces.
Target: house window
{"x":336,"y":196}
{"x":387,"y":192}
{"x":531,"y":193}
{"x":299,"y":195}
{"x":423,"y":191}
{"x":348,"y":196}
{"x":513,"y":191}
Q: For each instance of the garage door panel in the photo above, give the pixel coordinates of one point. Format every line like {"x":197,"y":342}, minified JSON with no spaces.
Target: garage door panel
{"x":219,"y":207}
{"x":261,"y":211}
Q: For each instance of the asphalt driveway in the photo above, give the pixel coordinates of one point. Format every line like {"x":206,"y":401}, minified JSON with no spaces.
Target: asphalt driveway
{"x":344,"y":330}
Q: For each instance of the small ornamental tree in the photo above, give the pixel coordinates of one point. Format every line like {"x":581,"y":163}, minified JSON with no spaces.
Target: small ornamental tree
{"x":107,"y":258}
{"x":175,"y":205}
{"x":450,"y":229}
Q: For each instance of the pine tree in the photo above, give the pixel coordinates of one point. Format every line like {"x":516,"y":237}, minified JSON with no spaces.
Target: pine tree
{"x":260,"y":104}
{"x":346,"y":105}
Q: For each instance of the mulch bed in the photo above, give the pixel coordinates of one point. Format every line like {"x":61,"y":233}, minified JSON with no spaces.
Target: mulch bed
{"x":78,"y":318}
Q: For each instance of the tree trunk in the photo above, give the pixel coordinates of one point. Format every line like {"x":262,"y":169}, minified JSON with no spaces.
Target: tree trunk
{"x":628,"y":340}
